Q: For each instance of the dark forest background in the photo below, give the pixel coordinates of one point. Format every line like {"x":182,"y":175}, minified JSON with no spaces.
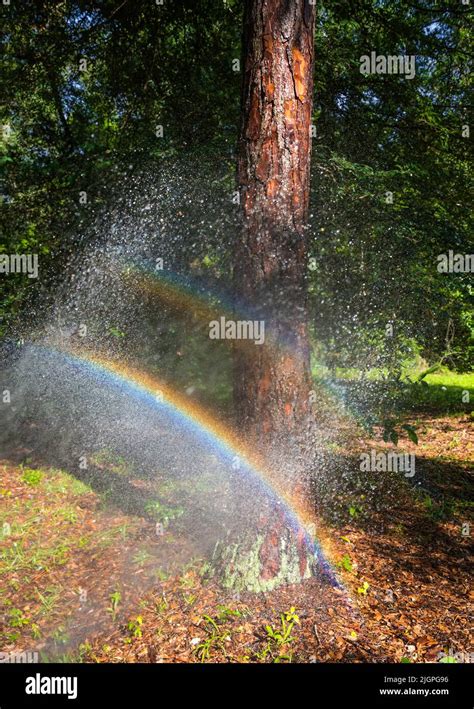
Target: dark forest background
{"x":71,"y":126}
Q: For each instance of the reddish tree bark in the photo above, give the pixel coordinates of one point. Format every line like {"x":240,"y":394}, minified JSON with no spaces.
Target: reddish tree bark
{"x":272,"y":381}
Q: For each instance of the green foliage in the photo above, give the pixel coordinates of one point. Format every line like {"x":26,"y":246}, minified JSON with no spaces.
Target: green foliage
{"x":215,"y":640}
{"x":279,"y":638}
{"x":141,"y":556}
{"x":345,"y":563}
{"x":112,"y":463}
{"x":354,"y":511}
{"x":226,"y":613}
{"x":115,"y":599}
{"x":438,"y":510}
{"x":116,"y":332}
{"x":48,"y":599}
{"x":162,"y":605}
{"x":35,"y":631}
{"x":32,"y":477}
{"x":390,"y":432}
{"x":376,"y":260}
{"x":17,"y":618}
{"x":162,"y":513}
{"x":134,"y":627}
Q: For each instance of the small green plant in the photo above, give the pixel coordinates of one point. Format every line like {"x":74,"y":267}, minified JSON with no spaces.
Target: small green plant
{"x":189,"y":598}
{"x":162,"y":513}
{"x":11,"y":637}
{"x":141,"y":557}
{"x":61,"y":636}
{"x":115,"y":599}
{"x":345,"y":563}
{"x":115,"y":332}
{"x":162,"y":605}
{"x":391,"y":431}
{"x":215,"y":640}
{"x":61,"y":554}
{"x":187,"y":580}
{"x":438,"y":510}
{"x":69,"y":515}
{"x":355,"y":511}
{"x":225,"y":613}
{"x":123,"y":530}
{"x":17,"y":618}
{"x":135,"y":626}
{"x":15,"y":584}
{"x":161,"y":574}
{"x":112,"y":463}
{"x":363,"y":589}
{"x":48,"y":599}
{"x":84,"y":650}
{"x":278,"y":639}
{"x":35,"y":631}
{"x":32,"y":477}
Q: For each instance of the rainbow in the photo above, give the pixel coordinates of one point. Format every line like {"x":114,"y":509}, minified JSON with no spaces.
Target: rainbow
{"x":184,"y":296}
{"x":187,"y":298}
{"x":181,"y":294}
{"x":156,"y":393}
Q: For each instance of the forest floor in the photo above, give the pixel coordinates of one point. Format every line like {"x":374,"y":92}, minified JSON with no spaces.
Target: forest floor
{"x":82,"y":581}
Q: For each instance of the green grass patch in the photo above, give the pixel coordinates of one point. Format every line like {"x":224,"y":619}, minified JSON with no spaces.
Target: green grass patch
{"x":375,"y":396}
{"x":452,"y":379}
{"x":112,"y":463}
{"x":31,"y":477}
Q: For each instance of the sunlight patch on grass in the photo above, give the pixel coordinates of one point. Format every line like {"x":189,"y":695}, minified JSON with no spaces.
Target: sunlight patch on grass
{"x":452,"y":379}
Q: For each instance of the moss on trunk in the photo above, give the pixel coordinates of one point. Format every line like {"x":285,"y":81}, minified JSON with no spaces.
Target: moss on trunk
{"x":241,"y":566}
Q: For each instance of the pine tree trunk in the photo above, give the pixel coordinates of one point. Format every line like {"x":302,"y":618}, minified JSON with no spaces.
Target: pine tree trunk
{"x":272,"y":381}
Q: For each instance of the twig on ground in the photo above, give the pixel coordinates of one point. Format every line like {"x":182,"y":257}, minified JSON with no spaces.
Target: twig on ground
{"x":358,"y":645}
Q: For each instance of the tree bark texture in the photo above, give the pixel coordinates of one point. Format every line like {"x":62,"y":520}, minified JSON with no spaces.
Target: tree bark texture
{"x":272,"y":381}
